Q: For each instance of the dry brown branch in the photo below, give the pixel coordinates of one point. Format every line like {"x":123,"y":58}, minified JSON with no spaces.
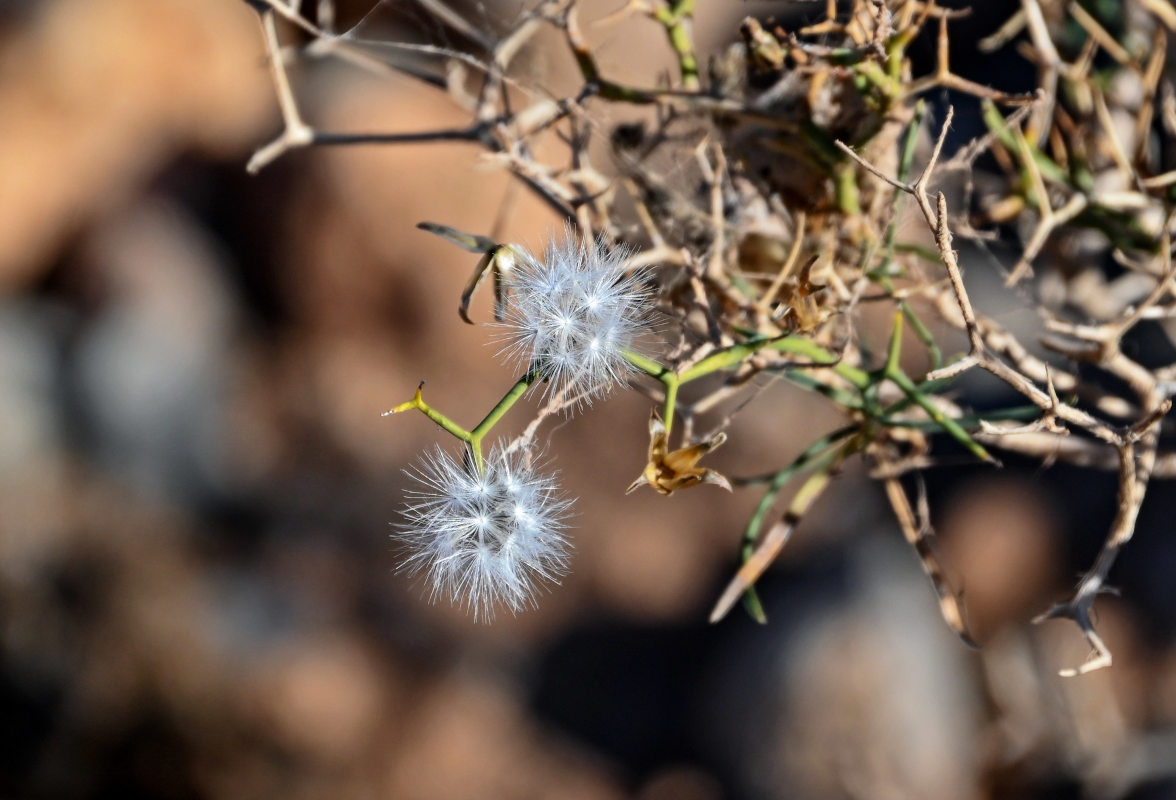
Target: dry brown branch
{"x":944,"y":78}
{"x":295,"y":133}
{"x":1048,"y":218}
{"x":920,"y":536}
{"x":1135,"y":445}
{"x":1049,"y":64}
{"x":492,"y":131}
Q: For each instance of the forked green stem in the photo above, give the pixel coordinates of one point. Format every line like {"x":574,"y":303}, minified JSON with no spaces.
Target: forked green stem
{"x":418,"y":402}
{"x":737,"y":354}
{"x":474,"y":437}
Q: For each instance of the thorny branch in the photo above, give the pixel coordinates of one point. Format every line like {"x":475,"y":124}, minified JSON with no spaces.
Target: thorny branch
{"x":1134,"y":443}
{"x":748,"y":195}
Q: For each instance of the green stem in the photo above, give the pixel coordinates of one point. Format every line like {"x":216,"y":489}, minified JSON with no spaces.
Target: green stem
{"x":891,"y":88}
{"x":1019,"y":413}
{"x":928,"y":254}
{"x":652,"y":368}
{"x":804,"y":379}
{"x":893,"y":372}
{"x":894,"y":351}
{"x":733,"y":356}
{"x":671,"y":401}
{"x":498,"y":412}
{"x":792,"y":345}
{"x":676,"y":19}
{"x":845,"y":184}
{"x":999,"y":126}
{"x":881,"y":273}
{"x":925,"y":336}
{"x":821,"y":456}
{"x":667,"y":376}
{"x":896,"y":50}
{"x":949,"y":425}
{"x":737,"y":354}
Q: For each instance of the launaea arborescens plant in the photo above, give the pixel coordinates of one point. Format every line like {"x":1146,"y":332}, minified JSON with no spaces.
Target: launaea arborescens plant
{"x":770,"y":197}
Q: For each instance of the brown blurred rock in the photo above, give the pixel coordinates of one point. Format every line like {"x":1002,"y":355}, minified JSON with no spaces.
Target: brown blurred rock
{"x":95,"y":95}
{"x":874,"y":698}
{"x":323,"y":698}
{"x":681,"y":783}
{"x":1001,"y":548}
{"x":468,"y":739}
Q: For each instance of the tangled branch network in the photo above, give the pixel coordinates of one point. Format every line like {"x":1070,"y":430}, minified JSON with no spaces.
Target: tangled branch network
{"x":769,"y":198}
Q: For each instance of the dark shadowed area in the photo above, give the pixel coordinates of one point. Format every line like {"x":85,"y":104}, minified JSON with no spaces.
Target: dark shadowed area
{"x":198,"y":589}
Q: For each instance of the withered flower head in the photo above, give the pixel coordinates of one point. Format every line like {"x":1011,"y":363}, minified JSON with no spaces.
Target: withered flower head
{"x":667,"y":472}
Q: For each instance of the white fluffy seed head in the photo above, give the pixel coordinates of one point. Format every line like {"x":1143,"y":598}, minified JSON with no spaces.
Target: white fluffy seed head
{"x":485,"y":539}
{"x":574,"y":314}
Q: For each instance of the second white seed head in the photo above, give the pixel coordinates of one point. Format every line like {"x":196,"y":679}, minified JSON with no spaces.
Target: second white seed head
{"x":574,"y":314}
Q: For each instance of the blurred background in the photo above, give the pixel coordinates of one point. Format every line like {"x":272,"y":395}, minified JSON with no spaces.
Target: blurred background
{"x":198,"y":595}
